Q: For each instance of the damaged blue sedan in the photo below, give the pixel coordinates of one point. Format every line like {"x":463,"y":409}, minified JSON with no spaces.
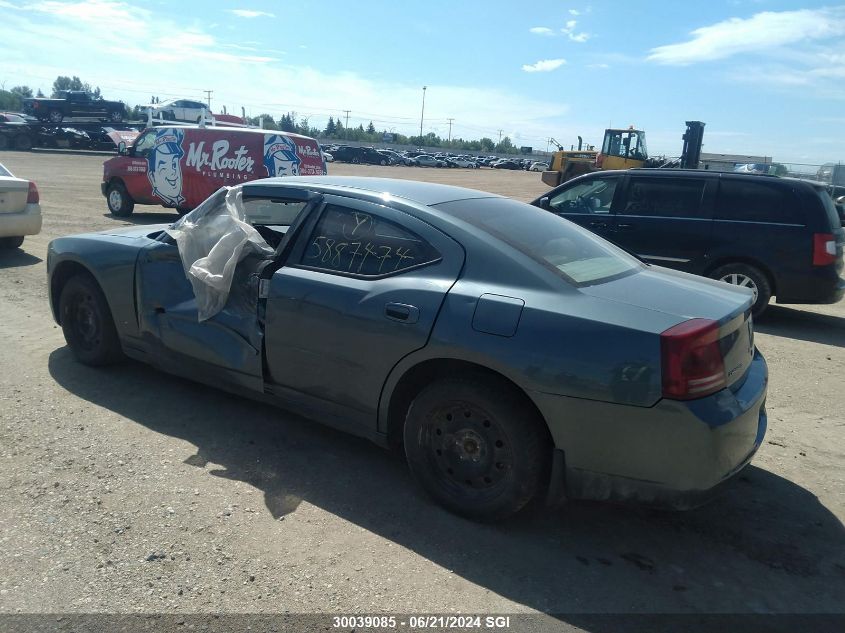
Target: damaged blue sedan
{"x":513,"y":355}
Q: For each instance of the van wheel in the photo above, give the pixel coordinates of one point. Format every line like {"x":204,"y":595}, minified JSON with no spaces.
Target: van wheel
{"x":119,"y":201}
{"x":476,"y":447}
{"x":747,"y":276}
{"x":87,"y":322}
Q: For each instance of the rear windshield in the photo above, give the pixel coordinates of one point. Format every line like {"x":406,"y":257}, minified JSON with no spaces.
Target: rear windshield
{"x":829,"y":207}
{"x":574,"y":253}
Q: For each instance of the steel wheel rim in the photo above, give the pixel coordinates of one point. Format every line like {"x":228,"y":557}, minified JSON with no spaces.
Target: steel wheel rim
{"x":115,"y":200}
{"x":467,"y":448}
{"x":744,"y":281}
{"x":86,"y":321}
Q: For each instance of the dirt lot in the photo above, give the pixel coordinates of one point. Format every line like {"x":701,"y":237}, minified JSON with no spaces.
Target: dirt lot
{"x":129,"y":490}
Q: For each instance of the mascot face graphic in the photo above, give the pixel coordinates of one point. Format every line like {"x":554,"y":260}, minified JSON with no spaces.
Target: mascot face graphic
{"x":280,"y":157}
{"x":165,"y":171}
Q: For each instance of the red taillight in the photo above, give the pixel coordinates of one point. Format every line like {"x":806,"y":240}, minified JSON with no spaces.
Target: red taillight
{"x":824,"y":249}
{"x":693,"y":366}
{"x":32,"y":196}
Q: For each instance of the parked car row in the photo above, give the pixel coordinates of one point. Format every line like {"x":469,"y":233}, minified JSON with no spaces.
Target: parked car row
{"x":374,"y":156}
{"x":22,"y":132}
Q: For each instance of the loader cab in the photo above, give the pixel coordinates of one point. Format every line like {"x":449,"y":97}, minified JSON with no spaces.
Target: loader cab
{"x":622,"y":149}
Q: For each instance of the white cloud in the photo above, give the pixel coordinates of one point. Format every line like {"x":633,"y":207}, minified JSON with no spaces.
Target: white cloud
{"x":544,"y":65}
{"x":541,"y":30}
{"x":574,"y":12}
{"x":598,"y":65}
{"x":761,"y":32}
{"x":249,"y":13}
{"x":569,"y":31}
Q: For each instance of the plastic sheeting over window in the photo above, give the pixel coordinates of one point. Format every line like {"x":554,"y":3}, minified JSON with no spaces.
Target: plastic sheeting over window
{"x":212,"y":239}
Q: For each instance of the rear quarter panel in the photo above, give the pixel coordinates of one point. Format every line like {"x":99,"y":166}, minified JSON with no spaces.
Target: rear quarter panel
{"x":110,"y":260}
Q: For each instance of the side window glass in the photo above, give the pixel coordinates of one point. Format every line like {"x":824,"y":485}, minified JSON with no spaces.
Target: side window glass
{"x":665,"y":197}
{"x":358,"y":243}
{"x":746,"y":200}
{"x":144,"y":143}
{"x":594,"y":196}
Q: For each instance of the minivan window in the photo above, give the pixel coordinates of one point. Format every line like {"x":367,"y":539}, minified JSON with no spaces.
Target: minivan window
{"x":592,"y":196}
{"x":750,"y":200}
{"x":574,"y":253}
{"x":665,"y":197}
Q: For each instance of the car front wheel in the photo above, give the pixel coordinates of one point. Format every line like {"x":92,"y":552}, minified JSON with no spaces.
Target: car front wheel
{"x":55,"y":116}
{"x":118,"y":199}
{"x":87,"y":322}
{"x":750,"y":277}
{"x":476,"y":447}
{"x":8,"y":243}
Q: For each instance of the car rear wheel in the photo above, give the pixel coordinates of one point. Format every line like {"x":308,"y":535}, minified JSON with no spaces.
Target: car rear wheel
{"x":8,"y":243}
{"x":87,"y":322}
{"x":116,"y":116}
{"x":747,"y":276}
{"x":356,"y":160}
{"x":476,"y":447}
{"x":119,"y":201}
{"x":55,"y":116}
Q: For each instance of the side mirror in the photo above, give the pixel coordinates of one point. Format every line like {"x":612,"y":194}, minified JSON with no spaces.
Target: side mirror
{"x":544,"y":202}
{"x":121,"y":148}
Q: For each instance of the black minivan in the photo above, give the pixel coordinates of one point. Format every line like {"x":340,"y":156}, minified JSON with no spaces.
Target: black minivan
{"x":776,"y":236}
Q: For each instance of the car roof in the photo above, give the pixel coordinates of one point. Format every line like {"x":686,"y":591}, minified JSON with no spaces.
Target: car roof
{"x":423,"y":193}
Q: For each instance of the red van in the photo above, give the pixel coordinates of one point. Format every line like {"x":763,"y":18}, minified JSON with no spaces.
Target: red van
{"x":179,"y":166}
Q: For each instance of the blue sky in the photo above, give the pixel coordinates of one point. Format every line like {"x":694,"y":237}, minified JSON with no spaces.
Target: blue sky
{"x":767,"y":76}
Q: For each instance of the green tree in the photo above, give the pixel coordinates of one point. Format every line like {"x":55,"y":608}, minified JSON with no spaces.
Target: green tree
{"x":10,"y":100}
{"x":371,"y":129}
{"x":73,"y":83}
{"x":24,"y":91}
{"x":287,"y":122}
{"x":331,"y":128}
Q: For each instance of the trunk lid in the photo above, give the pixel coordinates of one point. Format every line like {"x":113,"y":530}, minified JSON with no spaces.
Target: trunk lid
{"x":688,"y":297}
{"x":13,"y":194}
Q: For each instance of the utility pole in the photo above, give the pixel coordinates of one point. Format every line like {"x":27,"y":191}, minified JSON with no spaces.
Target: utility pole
{"x":346,"y":131}
{"x":422,"y":114}
{"x":500,"y":135}
{"x":450,"y":129}
{"x":208,"y":97}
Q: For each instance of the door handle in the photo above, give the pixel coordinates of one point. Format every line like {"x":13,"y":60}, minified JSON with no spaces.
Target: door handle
{"x":402,"y":312}
{"x":626,"y":227}
{"x":598,"y":225}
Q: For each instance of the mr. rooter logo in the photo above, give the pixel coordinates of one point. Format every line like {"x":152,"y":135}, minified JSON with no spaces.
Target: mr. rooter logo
{"x":218,"y":158}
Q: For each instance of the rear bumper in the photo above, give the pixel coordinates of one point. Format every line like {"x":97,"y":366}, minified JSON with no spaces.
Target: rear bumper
{"x":27,"y":222}
{"x":823,"y":285}
{"x":674,"y":454}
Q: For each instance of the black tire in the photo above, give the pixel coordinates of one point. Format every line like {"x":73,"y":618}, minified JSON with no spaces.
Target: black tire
{"x":116,"y":116}
{"x":55,"y":116}
{"x":382,"y":163}
{"x":355,"y":160}
{"x":119,"y":201}
{"x":87,"y":322}
{"x":748,"y":276}
{"x":476,"y":447}
{"x":8,"y":243}
{"x":4,"y":142}
{"x":23,"y":142}
{"x":169,"y":115}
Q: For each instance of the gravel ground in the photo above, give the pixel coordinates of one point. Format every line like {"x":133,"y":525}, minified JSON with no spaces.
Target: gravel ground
{"x":127,"y":490}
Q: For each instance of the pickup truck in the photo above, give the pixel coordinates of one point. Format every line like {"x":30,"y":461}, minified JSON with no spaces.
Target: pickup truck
{"x":74,"y":104}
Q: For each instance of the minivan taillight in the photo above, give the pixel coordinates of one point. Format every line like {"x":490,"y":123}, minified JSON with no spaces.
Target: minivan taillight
{"x":692,"y":361}
{"x":824,"y":249}
{"x":32,"y":195}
